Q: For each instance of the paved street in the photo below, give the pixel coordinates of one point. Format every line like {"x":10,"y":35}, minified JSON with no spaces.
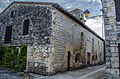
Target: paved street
{"x":94,"y":72}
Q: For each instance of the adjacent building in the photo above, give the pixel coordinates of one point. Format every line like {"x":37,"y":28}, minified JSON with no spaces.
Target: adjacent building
{"x":56,"y":40}
{"x":111,"y":14}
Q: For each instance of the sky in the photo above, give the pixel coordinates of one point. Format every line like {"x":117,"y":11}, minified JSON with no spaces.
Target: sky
{"x":93,"y":6}
{"x":96,"y":24}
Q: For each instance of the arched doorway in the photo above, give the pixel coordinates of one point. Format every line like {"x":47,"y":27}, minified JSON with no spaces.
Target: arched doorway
{"x":78,"y":57}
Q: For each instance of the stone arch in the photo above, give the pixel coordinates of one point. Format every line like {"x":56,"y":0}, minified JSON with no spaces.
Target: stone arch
{"x":77,"y":57}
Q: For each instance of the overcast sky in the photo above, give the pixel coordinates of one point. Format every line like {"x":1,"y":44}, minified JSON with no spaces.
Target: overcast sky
{"x":96,"y":25}
{"x":93,"y":6}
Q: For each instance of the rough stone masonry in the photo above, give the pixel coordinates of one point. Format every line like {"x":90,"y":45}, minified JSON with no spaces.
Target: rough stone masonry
{"x":56,"y":40}
{"x":111,"y":14}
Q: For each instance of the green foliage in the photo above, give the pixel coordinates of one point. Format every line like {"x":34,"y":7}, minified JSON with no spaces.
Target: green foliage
{"x":2,"y":51}
{"x":10,"y":57}
{"x":21,"y":65}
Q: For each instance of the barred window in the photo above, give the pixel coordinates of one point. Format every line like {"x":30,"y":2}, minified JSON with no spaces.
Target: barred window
{"x":8,"y":34}
{"x":26,"y":27}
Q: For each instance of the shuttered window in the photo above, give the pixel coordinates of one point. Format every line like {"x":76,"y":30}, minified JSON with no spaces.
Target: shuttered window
{"x":8,"y":34}
{"x":26,"y":27}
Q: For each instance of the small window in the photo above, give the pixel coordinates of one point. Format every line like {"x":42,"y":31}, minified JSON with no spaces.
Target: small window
{"x":11,"y":15}
{"x":92,"y":43}
{"x":26,"y":27}
{"x":8,"y":34}
{"x":82,"y":40}
{"x":98,"y":47}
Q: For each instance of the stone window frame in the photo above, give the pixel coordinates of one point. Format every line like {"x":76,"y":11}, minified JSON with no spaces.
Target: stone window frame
{"x":99,"y":47}
{"x":96,"y":57}
{"x":93,"y":57}
{"x":82,"y":40}
{"x":23,"y":29}
{"x":6,"y":36}
{"x":93,"y":44}
{"x":12,"y":14}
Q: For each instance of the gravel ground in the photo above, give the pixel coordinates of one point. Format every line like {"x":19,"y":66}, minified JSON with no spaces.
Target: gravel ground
{"x":94,"y":72}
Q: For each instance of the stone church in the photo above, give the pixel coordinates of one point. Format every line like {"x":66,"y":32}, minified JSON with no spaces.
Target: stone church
{"x":56,"y":40}
{"x":111,"y":14}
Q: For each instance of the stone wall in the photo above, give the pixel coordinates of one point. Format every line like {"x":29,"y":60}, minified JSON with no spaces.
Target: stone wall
{"x":111,"y":40}
{"x":70,"y":36}
{"x":38,"y":38}
{"x":55,"y":42}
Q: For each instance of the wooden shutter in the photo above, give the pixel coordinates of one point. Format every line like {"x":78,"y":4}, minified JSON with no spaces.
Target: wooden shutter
{"x":26,"y":27}
{"x":8,"y":34}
